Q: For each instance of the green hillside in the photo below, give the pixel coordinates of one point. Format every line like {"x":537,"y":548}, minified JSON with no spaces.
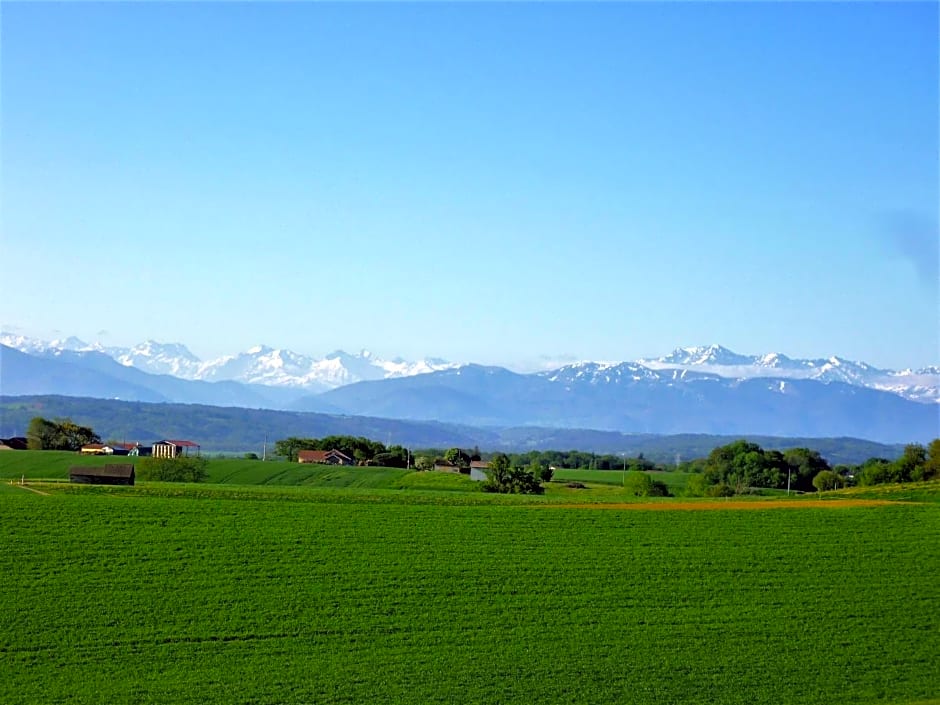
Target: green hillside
{"x":237,"y":430}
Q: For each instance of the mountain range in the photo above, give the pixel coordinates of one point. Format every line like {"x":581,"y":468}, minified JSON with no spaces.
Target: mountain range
{"x":261,"y":365}
{"x":706,"y":389}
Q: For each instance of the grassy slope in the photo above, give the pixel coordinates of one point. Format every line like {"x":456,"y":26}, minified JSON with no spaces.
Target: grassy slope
{"x":56,"y":464}
{"x":237,"y":471}
{"x":188,"y":600}
{"x":675,"y":481}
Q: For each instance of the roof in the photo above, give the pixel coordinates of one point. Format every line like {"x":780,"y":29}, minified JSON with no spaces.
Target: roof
{"x":180,"y":444}
{"x":316,"y":455}
{"x":93,"y":446}
{"x":479,"y":464}
{"x":121,"y":470}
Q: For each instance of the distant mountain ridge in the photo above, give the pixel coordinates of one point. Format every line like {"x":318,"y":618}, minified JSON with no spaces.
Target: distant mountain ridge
{"x":275,"y":367}
{"x":237,"y":429}
{"x":261,"y":364}
{"x":680,"y":393}
{"x":921,"y":385}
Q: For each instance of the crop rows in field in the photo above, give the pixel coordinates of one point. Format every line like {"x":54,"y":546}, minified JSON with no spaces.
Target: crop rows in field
{"x":123,"y":598}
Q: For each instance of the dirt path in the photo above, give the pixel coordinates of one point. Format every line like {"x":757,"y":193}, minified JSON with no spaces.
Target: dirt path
{"x":32,"y":489}
{"x":729,"y":505}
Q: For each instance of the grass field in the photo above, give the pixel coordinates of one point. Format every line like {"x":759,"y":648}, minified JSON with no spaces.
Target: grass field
{"x":237,"y":471}
{"x":217,"y":594}
{"x":675,"y":481}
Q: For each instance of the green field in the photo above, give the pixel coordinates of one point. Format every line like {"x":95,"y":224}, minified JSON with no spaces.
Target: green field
{"x":237,"y":471}
{"x":226,"y":594}
{"x":675,"y":481}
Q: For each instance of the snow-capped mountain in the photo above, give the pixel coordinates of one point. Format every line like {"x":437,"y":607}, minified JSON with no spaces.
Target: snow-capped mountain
{"x":261,"y":364}
{"x":702,"y":355}
{"x":920,"y":385}
{"x":693,"y":390}
{"x":159,"y":358}
{"x":275,"y":367}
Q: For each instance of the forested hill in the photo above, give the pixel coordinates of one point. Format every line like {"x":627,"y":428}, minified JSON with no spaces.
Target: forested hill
{"x":235,"y":429}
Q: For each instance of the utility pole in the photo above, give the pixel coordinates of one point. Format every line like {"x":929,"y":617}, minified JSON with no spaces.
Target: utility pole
{"x":264,"y":448}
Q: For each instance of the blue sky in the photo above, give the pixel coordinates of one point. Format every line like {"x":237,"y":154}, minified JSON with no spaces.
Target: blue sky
{"x":481,"y":182}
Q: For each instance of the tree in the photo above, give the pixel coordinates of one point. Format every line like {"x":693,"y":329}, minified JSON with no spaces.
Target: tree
{"x":498,"y":469}
{"x":289,"y":447}
{"x":877,"y":471}
{"x":505,"y":479}
{"x":459,"y":457}
{"x":742,"y":465}
{"x":394,"y":457}
{"x":804,"y":465}
{"x":60,"y":434}
{"x":40,"y":435}
{"x":910,"y":466}
{"x":543,"y":473}
{"x":932,"y":463}
{"x":424,"y":463}
{"x":827,"y":480}
{"x":640,"y":484}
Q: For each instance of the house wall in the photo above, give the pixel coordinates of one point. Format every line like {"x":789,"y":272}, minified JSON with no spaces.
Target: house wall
{"x":164,"y":450}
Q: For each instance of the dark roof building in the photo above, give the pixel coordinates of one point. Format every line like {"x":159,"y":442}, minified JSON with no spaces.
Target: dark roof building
{"x":108,"y":475}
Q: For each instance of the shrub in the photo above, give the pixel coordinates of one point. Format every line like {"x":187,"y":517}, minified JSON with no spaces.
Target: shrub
{"x":638,"y":484}
{"x":719,"y":490}
{"x":827,"y":480}
{"x":182,"y":469}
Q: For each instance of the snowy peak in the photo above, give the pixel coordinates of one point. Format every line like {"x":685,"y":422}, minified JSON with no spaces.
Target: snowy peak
{"x":260,"y":364}
{"x":704,"y":355}
{"x":276,"y":367}
{"x":598,"y":373}
{"x":923,"y":385}
{"x":158,"y":358}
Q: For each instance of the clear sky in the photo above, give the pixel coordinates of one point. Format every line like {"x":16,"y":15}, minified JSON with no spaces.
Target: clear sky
{"x":483,"y":182}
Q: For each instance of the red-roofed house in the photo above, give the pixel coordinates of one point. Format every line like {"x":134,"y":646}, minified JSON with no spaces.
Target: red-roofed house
{"x":324,"y":457}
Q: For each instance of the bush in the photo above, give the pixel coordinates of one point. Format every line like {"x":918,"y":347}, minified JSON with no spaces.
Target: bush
{"x":251,"y":456}
{"x":182,"y":469}
{"x":503,"y":479}
{"x":659,"y":489}
{"x":719,"y":490}
{"x":827,"y":480}
{"x":639,"y":484}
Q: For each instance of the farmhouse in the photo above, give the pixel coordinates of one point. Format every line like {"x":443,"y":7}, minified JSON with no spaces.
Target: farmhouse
{"x":478,"y":470}
{"x":173,"y":449}
{"x":324,"y":457}
{"x":107,"y":475}
{"x":106,"y":449}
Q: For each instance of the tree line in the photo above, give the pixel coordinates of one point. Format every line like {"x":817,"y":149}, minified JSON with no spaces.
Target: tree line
{"x":740,"y":467}
{"x":362,"y":450}
{"x":561,"y":459}
{"x":58,"y":434}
